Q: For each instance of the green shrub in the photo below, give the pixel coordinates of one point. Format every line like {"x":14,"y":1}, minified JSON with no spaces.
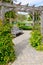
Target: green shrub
{"x":10,"y":14}
{"x":25,"y":27}
{"x":7,"y":50}
{"x":40,"y":47}
{"x":35,"y":38}
{"x":21,"y":23}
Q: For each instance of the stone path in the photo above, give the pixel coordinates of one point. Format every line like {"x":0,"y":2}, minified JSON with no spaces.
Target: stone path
{"x":26,"y":55}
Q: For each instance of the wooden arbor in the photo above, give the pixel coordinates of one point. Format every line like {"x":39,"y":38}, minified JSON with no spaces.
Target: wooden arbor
{"x":4,"y":7}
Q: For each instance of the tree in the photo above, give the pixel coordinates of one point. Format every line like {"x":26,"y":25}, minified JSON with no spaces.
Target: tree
{"x":21,"y":17}
{"x":36,"y":16}
{"x":37,"y":19}
{"x":30,"y":17}
{"x":10,"y":15}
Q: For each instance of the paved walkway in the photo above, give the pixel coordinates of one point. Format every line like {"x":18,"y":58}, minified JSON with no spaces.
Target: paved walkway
{"x":26,"y":55}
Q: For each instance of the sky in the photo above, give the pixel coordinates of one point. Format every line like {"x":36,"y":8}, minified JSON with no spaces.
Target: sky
{"x":32,"y":2}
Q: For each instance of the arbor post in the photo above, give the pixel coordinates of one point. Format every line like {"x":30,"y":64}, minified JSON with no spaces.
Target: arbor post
{"x":33,"y":19}
{"x":42,"y":24}
{"x":2,"y":12}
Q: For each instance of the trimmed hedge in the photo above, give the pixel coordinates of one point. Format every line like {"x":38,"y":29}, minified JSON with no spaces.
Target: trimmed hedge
{"x":26,"y":27}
